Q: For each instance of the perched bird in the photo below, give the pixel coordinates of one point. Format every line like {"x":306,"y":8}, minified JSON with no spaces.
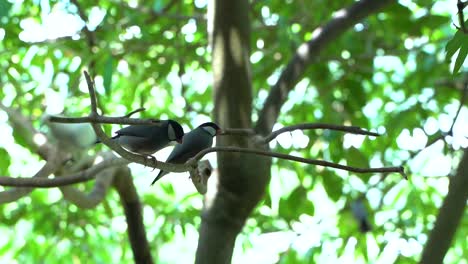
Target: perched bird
{"x":195,"y":141}
{"x":147,"y":139}
{"x":360,"y":214}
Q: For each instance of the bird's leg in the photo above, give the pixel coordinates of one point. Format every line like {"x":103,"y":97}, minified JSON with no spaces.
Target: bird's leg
{"x":153,"y":159}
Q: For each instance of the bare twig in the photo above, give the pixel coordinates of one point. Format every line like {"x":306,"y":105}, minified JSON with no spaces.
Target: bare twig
{"x":90,"y":36}
{"x":50,"y":167}
{"x":189,"y":165}
{"x":306,"y":126}
{"x":91,"y":39}
{"x":442,"y":135}
{"x":141,"y":109}
{"x":92,"y":94}
{"x":462,"y":102}
{"x":90,"y":199}
{"x":460,"y":6}
{"x":323,"y":163}
{"x":78,"y":177}
{"x":105,"y":120}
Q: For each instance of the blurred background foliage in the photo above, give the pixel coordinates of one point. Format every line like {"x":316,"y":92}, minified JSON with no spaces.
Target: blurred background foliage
{"x":389,"y":74}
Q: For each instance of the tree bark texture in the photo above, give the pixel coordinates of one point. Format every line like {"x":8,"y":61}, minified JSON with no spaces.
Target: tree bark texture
{"x":450,"y":215}
{"x":242,"y":178}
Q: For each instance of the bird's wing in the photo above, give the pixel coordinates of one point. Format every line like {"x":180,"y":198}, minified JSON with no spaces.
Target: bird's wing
{"x":138,"y":130}
{"x":194,"y":142}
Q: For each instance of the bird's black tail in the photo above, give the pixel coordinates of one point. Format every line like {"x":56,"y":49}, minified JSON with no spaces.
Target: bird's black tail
{"x":160,"y":174}
{"x":364,"y":226}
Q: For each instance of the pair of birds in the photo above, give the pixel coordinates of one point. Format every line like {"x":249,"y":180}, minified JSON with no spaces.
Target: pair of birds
{"x":148,"y":139}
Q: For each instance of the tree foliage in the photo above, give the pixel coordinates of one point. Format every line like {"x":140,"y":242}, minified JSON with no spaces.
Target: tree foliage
{"x":399,"y":70}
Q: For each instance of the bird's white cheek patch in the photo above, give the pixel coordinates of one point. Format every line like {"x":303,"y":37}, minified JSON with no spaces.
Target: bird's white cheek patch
{"x":171,"y":132}
{"x":210,"y":130}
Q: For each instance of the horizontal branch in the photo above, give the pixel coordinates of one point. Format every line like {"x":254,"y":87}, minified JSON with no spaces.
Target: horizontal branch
{"x":307,"y":126}
{"x":78,"y":177}
{"x":124,"y":120}
{"x":49,"y":168}
{"x":86,"y":199}
{"x":304,"y":126}
{"x":323,"y":163}
{"x":91,"y":172}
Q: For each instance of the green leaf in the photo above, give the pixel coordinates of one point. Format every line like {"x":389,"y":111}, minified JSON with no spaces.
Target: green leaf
{"x":5,"y":161}
{"x":158,"y":6}
{"x":4,"y":8}
{"x":107,"y":75}
{"x":356,"y":158}
{"x":296,"y":204}
{"x":333,"y":185}
{"x":169,"y":190}
{"x":429,"y":21}
{"x":458,"y":41}
{"x":461,"y":57}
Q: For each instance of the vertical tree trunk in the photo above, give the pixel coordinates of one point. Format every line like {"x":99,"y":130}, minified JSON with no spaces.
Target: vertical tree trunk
{"x":449,"y":217}
{"x":242,"y":178}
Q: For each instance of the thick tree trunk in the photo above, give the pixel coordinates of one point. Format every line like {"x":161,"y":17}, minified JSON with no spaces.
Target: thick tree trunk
{"x":449,"y":217}
{"x":242,"y":178}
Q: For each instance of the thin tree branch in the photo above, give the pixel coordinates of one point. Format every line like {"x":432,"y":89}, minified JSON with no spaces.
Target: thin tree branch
{"x":107,"y":119}
{"x":104,"y":120}
{"x":462,"y":102}
{"x":90,"y":36}
{"x":53,"y":163}
{"x":141,"y":109}
{"x":189,"y":165}
{"x":307,"y":53}
{"x":22,"y":125}
{"x":97,"y":194}
{"x":14,"y":194}
{"x":442,"y":135}
{"x":78,"y":177}
{"x":92,"y":94}
{"x":322,"y":163}
{"x":306,"y":126}
{"x":460,"y":6}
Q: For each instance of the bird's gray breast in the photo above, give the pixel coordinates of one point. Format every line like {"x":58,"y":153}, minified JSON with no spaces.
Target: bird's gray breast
{"x":194,"y":142}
